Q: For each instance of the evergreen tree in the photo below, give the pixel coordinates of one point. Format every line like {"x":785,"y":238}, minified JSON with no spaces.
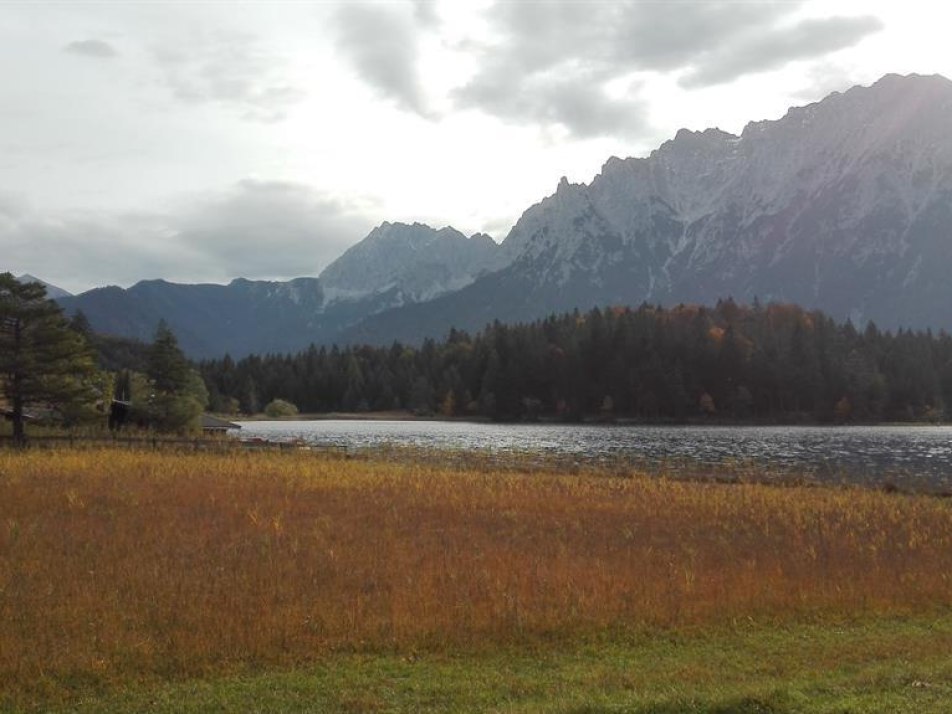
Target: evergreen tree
{"x":421,"y":396}
{"x":248,"y":400}
{"x":179,"y":395}
{"x":80,"y":323}
{"x":168,"y":368}
{"x":42,"y":361}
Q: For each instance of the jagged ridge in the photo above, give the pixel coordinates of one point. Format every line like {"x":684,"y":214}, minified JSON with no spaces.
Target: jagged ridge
{"x":844,"y":205}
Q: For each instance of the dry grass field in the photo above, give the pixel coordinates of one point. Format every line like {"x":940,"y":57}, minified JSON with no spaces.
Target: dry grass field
{"x":122,"y":566}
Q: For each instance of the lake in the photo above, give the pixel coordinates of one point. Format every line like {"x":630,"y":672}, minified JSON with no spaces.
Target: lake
{"x":907,"y":456}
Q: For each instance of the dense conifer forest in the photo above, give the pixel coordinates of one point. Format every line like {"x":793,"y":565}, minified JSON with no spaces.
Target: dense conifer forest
{"x":731,"y":362}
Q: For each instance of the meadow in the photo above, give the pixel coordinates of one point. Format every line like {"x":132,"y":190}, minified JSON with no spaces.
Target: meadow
{"x":133,"y":578}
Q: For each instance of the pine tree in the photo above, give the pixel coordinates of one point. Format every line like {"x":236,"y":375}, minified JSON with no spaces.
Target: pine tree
{"x":168,"y":367}
{"x":179,"y":394}
{"x":42,"y":361}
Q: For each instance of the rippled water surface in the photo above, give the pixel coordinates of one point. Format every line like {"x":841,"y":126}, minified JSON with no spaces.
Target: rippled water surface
{"x":866,"y":454}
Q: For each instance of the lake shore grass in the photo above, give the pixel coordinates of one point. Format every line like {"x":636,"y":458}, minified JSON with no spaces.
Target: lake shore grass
{"x":135,"y":581}
{"x":879,"y":666}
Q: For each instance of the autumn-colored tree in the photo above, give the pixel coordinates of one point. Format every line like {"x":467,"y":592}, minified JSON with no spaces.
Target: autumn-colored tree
{"x":448,"y":405}
{"x":277,"y":408}
{"x":842,"y":409}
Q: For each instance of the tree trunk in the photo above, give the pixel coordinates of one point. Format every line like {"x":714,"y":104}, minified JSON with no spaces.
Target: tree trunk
{"x":19,"y":437}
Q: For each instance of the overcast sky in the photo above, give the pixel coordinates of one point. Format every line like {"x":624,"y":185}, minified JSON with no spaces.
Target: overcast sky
{"x":202,"y":141}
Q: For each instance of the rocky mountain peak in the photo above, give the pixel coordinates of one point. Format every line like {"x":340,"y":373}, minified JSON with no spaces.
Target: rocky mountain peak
{"x":687,"y":142}
{"x":412,"y":261}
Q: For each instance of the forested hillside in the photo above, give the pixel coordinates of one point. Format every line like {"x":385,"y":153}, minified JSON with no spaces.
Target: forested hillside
{"x":767,"y":363}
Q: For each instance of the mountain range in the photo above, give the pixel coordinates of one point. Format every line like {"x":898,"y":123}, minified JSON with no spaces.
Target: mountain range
{"x":843,"y":205}
{"x":395,"y":265}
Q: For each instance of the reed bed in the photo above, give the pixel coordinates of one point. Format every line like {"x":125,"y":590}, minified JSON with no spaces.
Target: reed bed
{"x":117,"y":565}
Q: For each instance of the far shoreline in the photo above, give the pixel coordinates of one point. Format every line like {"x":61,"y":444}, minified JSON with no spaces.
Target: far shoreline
{"x":396,"y":415}
{"x":589,"y":420}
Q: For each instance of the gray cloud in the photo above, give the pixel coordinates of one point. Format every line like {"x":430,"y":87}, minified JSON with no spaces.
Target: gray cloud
{"x":425,"y":13}
{"x":808,"y":39}
{"x":549,"y":55}
{"x":666,"y":36}
{"x":80,"y":249}
{"x":12,"y":206}
{"x":572,"y":99}
{"x":381,"y":42}
{"x":91,"y":48}
{"x":620,"y":36}
{"x":271,"y":228}
{"x":256,"y":229}
{"x":231,"y":70}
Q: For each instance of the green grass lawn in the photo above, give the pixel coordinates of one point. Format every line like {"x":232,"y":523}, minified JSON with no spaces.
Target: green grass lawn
{"x":885,"y":665}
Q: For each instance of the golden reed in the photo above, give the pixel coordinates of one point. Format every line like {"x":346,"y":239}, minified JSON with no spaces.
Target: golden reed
{"x":118,"y":564}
